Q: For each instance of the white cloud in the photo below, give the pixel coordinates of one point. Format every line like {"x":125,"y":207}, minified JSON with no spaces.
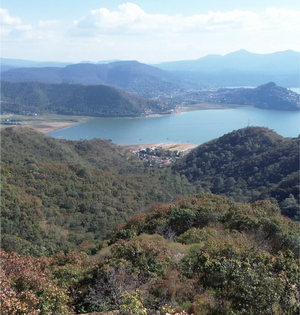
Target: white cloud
{"x":131,"y":33}
{"x":4,"y":31}
{"x":24,"y":27}
{"x":131,"y":19}
{"x":48,"y":23}
{"x":281,"y":19}
{"x":12,"y":29}
{"x":7,"y":19}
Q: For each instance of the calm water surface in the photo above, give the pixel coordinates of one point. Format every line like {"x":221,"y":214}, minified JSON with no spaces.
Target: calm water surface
{"x":195,"y":127}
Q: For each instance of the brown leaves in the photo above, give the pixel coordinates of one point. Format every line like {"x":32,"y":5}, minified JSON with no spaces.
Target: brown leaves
{"x":27,"y":287}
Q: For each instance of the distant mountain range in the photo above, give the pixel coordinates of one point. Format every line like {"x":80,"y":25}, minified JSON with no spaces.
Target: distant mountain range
{"x":6,"y":63}
{"x":281,"y":62}
{"x":74,"y":99}
{"x":240,"y":68}
{"x":20,"y":63}
{"x":131,"y":76}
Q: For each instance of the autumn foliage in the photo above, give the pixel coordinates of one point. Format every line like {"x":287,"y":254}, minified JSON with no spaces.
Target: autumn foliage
{"x":27,"y":287}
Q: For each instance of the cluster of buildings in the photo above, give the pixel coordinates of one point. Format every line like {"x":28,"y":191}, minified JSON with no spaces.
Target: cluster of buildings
{"x":157,"y":157}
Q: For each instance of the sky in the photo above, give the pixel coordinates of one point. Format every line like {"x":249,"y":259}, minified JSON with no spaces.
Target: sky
{"x":146,"y":31}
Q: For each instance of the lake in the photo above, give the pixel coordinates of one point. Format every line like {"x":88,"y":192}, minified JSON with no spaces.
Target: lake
{"x":195,"y":127}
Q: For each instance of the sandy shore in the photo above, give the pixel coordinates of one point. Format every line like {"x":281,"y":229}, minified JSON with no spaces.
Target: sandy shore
{"x":46,"y":127}
{"x":167,"y":146}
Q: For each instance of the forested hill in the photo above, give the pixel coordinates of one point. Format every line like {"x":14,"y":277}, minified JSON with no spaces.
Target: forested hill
{"x":74,"y":99}
{"x":110,"y":243}
{"x":131,"y":76}
{"x":266,"y":96}
{"x":248,"y":164}
{"x":197,"y":255}
{"x":56,"y":193}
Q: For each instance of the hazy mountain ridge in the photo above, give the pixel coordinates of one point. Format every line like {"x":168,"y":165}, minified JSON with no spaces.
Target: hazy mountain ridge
{"x":239,"y":68}
{"x":277,"y":63}
{"x":20,"y":63}
{"x":132,"y":76}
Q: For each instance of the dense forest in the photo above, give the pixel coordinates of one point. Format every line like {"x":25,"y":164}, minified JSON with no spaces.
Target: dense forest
{"x":74,"y":99}
{"x":58,"y":193}
{"x":87,"y":227}
{"x":248,"y":164}
{"x":197,"y":255}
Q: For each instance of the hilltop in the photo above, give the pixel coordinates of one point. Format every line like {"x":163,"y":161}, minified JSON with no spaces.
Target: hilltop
{"x":266,"y":96}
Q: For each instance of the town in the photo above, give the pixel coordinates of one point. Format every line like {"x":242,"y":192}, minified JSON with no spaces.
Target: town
{"x":159,"y":156}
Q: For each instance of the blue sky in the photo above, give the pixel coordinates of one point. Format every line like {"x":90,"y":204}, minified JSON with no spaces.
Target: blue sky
{"x":147,"y":31}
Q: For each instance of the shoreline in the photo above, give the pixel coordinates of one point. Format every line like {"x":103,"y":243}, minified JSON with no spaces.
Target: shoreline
{"x":44,"y":127}
{"x":48,"y":127}
{"x":45,"y":123}
{"x":181,"y":147}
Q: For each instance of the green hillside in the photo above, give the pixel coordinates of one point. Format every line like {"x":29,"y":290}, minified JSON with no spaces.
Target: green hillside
{"x":104,"y":232}
{"x":73,"y":99}
{"x":56,"y":193}
{"x":247,"y":164}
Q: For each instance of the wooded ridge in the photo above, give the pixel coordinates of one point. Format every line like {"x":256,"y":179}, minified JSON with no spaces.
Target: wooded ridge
{"x":74,"y":99}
